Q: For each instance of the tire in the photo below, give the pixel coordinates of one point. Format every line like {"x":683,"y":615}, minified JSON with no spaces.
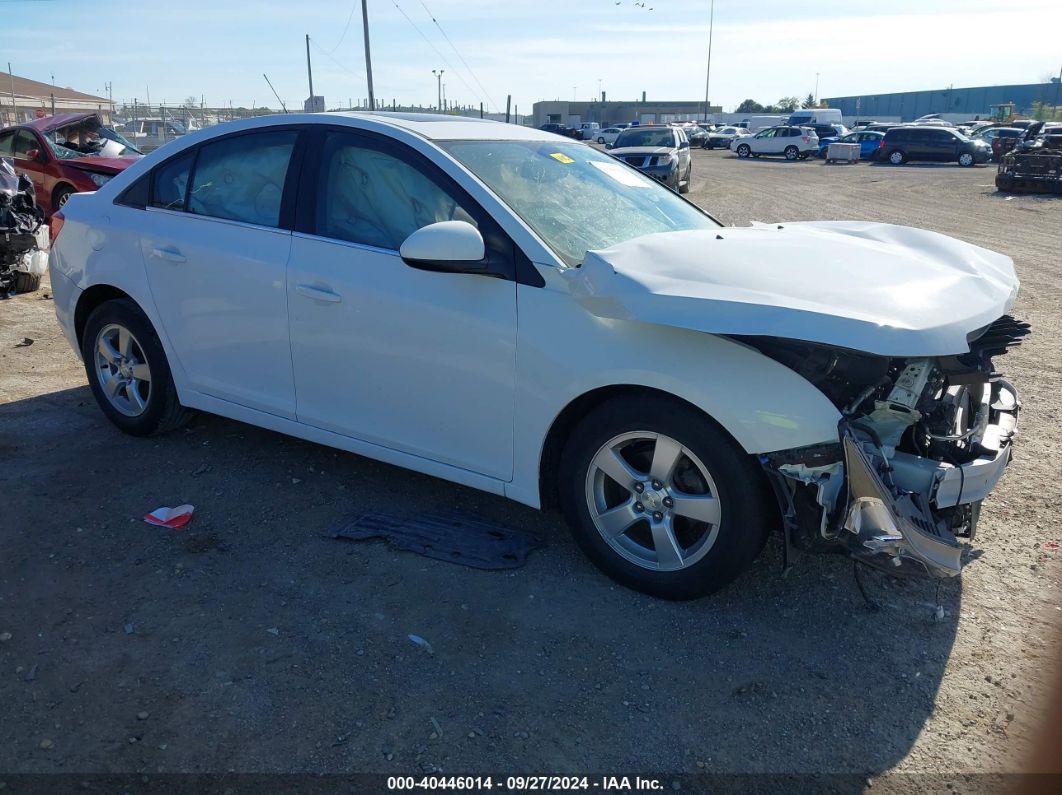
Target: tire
{"x":27,"y":282}
{"x":897,"y":157}
{"x":157,"y":410}
{"x":601,"y":139}
{"x":60,"y":195}
{"x":711,"y":466}
{"x":1004,"y":183}
{"x":684,"y":187}
{"x":743,"y":151}
{"x":966,"y":160}
{"x":791,"y":153}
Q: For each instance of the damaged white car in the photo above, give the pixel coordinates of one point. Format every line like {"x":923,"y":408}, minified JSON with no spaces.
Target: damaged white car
{"x":519,"y":313}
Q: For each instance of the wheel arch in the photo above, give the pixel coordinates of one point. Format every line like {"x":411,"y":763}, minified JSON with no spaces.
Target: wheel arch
{"x":564,"y":423}
{"x":90,"y":299}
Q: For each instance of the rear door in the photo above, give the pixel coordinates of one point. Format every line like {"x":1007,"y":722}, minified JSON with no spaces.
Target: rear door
{"x":215,"y":240}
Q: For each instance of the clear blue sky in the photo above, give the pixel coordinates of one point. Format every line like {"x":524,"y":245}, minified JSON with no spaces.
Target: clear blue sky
{"x":533,"y":49}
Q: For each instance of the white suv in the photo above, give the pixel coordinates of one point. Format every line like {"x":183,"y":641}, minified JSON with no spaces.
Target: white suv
{"x":792,"y":142}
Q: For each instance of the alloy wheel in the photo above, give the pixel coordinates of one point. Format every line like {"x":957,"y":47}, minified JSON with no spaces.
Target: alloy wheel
{"x":653,"y":501}
{"x":122,"y":370}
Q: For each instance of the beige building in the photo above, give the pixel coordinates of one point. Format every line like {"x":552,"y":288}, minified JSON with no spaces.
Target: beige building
{"x":616,"y":112}
{"x":22,"y":100}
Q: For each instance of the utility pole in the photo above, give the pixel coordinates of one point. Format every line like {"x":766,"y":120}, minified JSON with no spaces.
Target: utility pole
{"x":368,"y":59}
{"x":438,"y":86}
{"x":817,"y":88}
{"x":508,"y":100}
{"x":309,"y":70}
{"x":708,"y":73}
{"x":14,"y":113}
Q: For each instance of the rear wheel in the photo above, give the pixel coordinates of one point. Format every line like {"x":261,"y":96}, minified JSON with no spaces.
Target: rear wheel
{"x":600,"y":139}
{"x":661,"y":499}
{"x":743,"y":150}
{"x":897,"y":157}
{"x":791,"y":153}
{"x":128,"y":372}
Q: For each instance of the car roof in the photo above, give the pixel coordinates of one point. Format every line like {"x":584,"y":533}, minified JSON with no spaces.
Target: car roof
{"x":433,"y":126}
{"x":49,"y":123}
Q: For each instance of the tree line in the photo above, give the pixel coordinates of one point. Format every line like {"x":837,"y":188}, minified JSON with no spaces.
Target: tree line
{"x":784,"y":105}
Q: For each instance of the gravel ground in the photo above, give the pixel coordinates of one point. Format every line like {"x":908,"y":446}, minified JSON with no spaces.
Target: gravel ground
{"x":250,"y":642}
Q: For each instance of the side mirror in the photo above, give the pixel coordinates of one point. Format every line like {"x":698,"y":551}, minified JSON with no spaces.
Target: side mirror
{"x":447,"y":247}
{"x":684,"y":145}
{"x":34,"y":154}
{"x":609,"y":146}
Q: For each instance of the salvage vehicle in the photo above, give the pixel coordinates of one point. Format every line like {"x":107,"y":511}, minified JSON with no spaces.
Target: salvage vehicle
{"x":66,"y":153}
{"x":1033,"y":169}
{"x":22,"y":260}
{"x":526,"y":315}
{"x":660,"y":152}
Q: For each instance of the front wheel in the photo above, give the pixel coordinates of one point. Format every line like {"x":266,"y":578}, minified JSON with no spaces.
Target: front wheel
{"x":128,"y":372}
{"x":966,"y":159}
{"x":684,"y":186}
{"x":661,"y":499}
{"x":600,"y":139}
{"x":744,"y":151}
{"x":60,"y":195}
{"x":791,"y":153}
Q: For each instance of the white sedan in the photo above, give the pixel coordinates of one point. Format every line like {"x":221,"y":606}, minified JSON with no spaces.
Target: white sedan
{"x":521,"y":313}
{"x":608,"y":135}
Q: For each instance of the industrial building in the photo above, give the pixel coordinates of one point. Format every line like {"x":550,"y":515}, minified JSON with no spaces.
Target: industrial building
{"x":605,"y":113}
{"x":966,"y":102}
{"x":22,"y":100}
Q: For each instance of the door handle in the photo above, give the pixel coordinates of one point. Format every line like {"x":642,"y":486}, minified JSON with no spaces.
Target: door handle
{"x":318,"y":293}
{"x":168,"y":254}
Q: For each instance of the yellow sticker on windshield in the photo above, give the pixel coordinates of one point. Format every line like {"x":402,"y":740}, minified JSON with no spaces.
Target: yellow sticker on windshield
{"x":562,"y":158}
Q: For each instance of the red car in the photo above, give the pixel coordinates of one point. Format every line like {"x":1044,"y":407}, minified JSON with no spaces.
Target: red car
{"x":66,"y":154}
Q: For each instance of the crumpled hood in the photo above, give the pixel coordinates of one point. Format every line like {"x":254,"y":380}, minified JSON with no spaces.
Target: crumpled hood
{"x":878,"y":288}
{"x":104,"y":165}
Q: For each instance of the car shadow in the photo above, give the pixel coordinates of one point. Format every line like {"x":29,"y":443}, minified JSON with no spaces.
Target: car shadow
{"x":258,"y":639}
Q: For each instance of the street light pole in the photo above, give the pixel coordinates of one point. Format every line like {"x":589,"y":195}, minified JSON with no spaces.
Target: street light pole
{"x":438,"y":85}
{"x":816,"y":88}
{"x":708,"y":74}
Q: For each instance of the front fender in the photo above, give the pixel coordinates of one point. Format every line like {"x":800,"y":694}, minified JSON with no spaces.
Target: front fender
{"x":565,"y":352}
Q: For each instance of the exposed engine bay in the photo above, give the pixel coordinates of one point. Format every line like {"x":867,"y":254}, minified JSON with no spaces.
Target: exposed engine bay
{"x":921,"y":442}
{"x":22,"y":260}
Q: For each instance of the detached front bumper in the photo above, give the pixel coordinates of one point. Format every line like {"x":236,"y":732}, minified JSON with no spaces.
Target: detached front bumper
{"x":898,"y":508}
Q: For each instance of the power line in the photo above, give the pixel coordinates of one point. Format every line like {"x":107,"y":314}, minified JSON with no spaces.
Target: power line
{"x":457,"y":52}
{"x":346,"y":27}
{"x":443,"y":57}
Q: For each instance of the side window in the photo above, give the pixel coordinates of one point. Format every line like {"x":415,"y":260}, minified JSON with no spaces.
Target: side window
{"x":242,"y":178}
{"x":366,"y":195}
{"x":170,"y":182}
{"x":7,"y":140}
{"x":24,"y":143}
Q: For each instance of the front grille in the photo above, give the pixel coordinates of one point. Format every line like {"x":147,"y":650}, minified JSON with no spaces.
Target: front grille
{"x":636,"y":160}
{"x":999,"y":336}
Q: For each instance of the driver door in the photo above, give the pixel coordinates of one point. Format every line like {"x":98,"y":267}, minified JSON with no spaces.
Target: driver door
{"x":763,"y":142}
{"x":413,"y":360}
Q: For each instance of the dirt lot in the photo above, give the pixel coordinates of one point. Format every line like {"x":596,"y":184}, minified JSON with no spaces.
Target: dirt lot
{"x":250,"y":642}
